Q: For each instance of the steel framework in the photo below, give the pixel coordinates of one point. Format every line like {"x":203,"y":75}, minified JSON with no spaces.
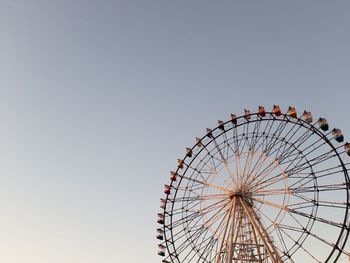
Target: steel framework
{"x":264,"y":187}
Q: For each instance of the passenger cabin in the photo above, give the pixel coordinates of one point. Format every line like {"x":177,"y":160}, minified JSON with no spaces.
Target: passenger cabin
{"x":167,"y":189}
{"x":199,"y":142}
{"x":173,"y":176}
{"x":261,"y":111}
{"x":276,"y":110}
{"x":338,"y":135}
{"x":323,"y":124}
{"x":292,"y":112}
{"x":160,"y":234}
{"x":221,"y":125}
{"x":161,"y":250}
{"x":160,"y":218}
{"x":234,"y":119}
{"x":188,"y":152}
{"x":180,"y":163}
{"x":209,"y":134}
{"x":307,"y":116}
{"x":247,"y":114}
{"x":162,"y":203}
{"x":347,"y":148}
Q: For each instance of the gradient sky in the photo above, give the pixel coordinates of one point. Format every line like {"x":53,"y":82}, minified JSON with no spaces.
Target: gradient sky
{"x":99,"y":98}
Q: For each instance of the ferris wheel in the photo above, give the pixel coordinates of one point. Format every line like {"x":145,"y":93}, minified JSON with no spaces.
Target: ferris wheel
{"x":265,"y":187}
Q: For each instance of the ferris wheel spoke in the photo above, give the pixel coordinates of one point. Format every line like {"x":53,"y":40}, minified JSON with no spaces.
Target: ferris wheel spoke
{"x":299,"y":167}
{"x":271,"y":192}
{"x":281,"y":240}
{"x":235,"y":140}
{"x":196,"y":233}
{"x":195,"y":190}
{"x":267,"y":170}
{"x":259,"y":141}
{"x":274,"y":139}
{"x":283,"y":229}
{"x":189,"y":205}
{"x":239,"y":144}
{"x":263,"y":178}
{"x":247,"y":167}
{"x":216,"y":206}
{"x":214,"y":216}
{"x":301,"y":139}
{"x":210,"y":168}
{"x":207,"y":250}
{"x":316,"y":218}
{"x":283,"y":148}
{"x":199,"y":197}
{"x":205,"y":183}
{"x":210,"y":158}
{"x":209,"y":208}
{"x":300,"y":153}
{"x":241,"y":174}
{"x":298,"y":185}
{"x":324,"y":241}
{"x":266,"y":141}
{"x":225,"y":163}
{"x":304,"y":198}
{"x":315,"y":160}
{"x":321,"y":188}
{"x":227,"y":147}
{"x":277,"y":206}
{"x":200,"y":186}
{"x":178,"y":222}
{"x":268,"y":183}
{"x":328,"y":171}
{"x":277,"y":230}
{"x":212,"y":207}
{"x":301,"y":205}
{"x":282,"y":176}
{"x":247,"y":132}
{"x":191,"y":230}
{"x":252,"y":176}
{"x":199,"y":248}
{"x":286,"y":152}
{"x":262,"y":158}
{"x":306,"y":162}
{"x":255,"y":136}
{"x":291,"y":228}
{"x":333,"y":204}
{"x":288,"y":208}
{"x":280,"y":138}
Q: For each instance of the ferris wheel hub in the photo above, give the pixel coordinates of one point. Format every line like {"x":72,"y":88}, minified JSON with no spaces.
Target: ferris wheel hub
{"x":240,"y":194}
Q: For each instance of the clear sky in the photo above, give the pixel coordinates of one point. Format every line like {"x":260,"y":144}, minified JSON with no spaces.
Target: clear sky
{"x":99,"y":98}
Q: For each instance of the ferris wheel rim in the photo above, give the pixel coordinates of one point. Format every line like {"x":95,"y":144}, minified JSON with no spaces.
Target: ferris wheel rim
{"x":282,"y":118}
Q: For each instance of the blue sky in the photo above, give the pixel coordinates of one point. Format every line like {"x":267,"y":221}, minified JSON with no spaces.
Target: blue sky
{"x":99,"y":98}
